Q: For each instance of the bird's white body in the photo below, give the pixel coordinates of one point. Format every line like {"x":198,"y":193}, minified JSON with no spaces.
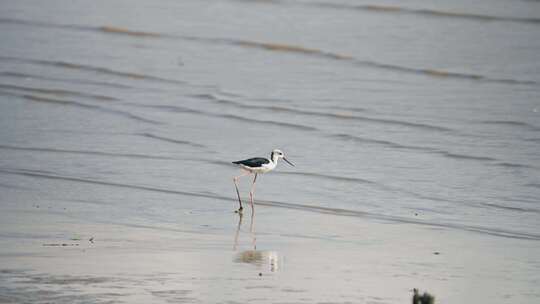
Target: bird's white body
{"x":263,"y":168}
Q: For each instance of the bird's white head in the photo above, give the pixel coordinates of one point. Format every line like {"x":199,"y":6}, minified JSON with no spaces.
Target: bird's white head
{"x":277,"y":154}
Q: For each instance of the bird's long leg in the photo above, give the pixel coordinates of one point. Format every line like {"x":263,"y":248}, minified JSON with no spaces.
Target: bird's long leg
{"x":252,"y":191}
{"x":235,"y":179}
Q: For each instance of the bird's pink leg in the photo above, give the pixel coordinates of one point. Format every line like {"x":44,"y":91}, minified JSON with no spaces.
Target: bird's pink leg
{"x":235,"y":179}
{"x":252,"y":190}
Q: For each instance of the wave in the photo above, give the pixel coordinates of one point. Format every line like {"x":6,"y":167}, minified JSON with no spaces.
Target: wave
{"x":123,"y":31}
{"x":80,"y":105}
{"x":215,"y":162}
{"x":342,"y":116}
{"x":515,"y":165}
{"x":350,"y":109}
{"x":171,"y":140}
{"x":389,"y":144}
{"x":394,"y":145}
{"x":170,"y":108}
{"x":534,"y":140}
{"x":16,"y":187}
{"x":329,"y":177}
{"x":48,"y":100}
{"x":475,"y":204}
{"x":457,"y":156}
{"x":403,"y":123}
{"x":533,"y":185}
{"x":268,"y":122}
{"x":340,"y":136}
{"x":83,"y":152}
{"x":232,"y":117}
{"x":287,"y":205}
{"x":60,"y":92}
{"x":268,"y":46}
{"x":288,"y":48}
{"x":402,"y":220}
{"x":356,"y":180}
{"x":443,"y":74}
{"x":388,"y":9}
{"x":466,"y":156}
{"x":373,"y":64}
{"x":88,"y":202}
{"x":512,"y":123}
{"x":54,"y":176}
{"x":518,"y":209}
{"x":376,"y":185}
{"x":91,"y":68}
{"x":338,"y":178}
{"x":68,"y":80}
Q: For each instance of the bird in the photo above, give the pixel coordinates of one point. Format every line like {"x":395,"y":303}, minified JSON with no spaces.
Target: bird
{"x":256,"y":166}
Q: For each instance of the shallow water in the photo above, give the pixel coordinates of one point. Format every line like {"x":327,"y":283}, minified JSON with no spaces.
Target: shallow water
{"x":418,"y":122}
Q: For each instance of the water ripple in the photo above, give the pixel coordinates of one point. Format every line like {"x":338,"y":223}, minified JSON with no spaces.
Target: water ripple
{"x":512,"y":123}
{"x":268,"y":46}
{"x":389,"y":9}
{"x":172,"y":140}
{"x":68,"y":80}
{"x":35,"y":98}
{"x":83,"y":152}
{"x":91,"y":68}
{"x":182,"y":109}
{"x":60,"y":92}
{"x":303,"y":207}
{"x":452,"y":155}
{"x":401,"y":10}
{"x":339,"y":116}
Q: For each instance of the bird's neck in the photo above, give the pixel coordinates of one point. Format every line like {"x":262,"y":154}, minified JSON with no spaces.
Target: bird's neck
{"x":273,"y":158}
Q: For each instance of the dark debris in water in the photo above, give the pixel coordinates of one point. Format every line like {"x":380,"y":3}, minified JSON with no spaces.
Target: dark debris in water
{"x":60,"y":244}
{"x":425,"y":298}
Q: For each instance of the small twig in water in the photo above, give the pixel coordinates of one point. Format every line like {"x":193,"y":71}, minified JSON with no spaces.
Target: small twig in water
{"x":60,"y":244}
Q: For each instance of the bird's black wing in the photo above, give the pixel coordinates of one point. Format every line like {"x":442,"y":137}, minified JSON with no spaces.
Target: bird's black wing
{"x":252,"y":162}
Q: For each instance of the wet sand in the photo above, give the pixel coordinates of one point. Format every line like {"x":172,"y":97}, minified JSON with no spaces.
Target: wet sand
{"x":208,"y":254}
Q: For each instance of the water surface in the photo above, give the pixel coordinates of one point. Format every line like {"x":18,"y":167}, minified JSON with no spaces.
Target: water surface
{"x":414,"y":126}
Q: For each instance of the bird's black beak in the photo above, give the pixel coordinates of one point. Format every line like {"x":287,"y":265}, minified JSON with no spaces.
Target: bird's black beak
{"x":288,"y":161}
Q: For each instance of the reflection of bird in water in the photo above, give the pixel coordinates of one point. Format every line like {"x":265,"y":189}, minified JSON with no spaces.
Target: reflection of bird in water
{"x":254,"y":256}
{"x":251,"y":230}
{"x":255,"y":166}
{"x":237,"y":231}
{"x":270,"y":258}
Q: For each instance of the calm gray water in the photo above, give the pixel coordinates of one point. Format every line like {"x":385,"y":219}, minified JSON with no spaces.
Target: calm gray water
{"x":416,"y":113}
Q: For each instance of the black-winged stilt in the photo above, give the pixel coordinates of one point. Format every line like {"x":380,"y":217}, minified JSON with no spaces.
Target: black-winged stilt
{"x":255,"y":166}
